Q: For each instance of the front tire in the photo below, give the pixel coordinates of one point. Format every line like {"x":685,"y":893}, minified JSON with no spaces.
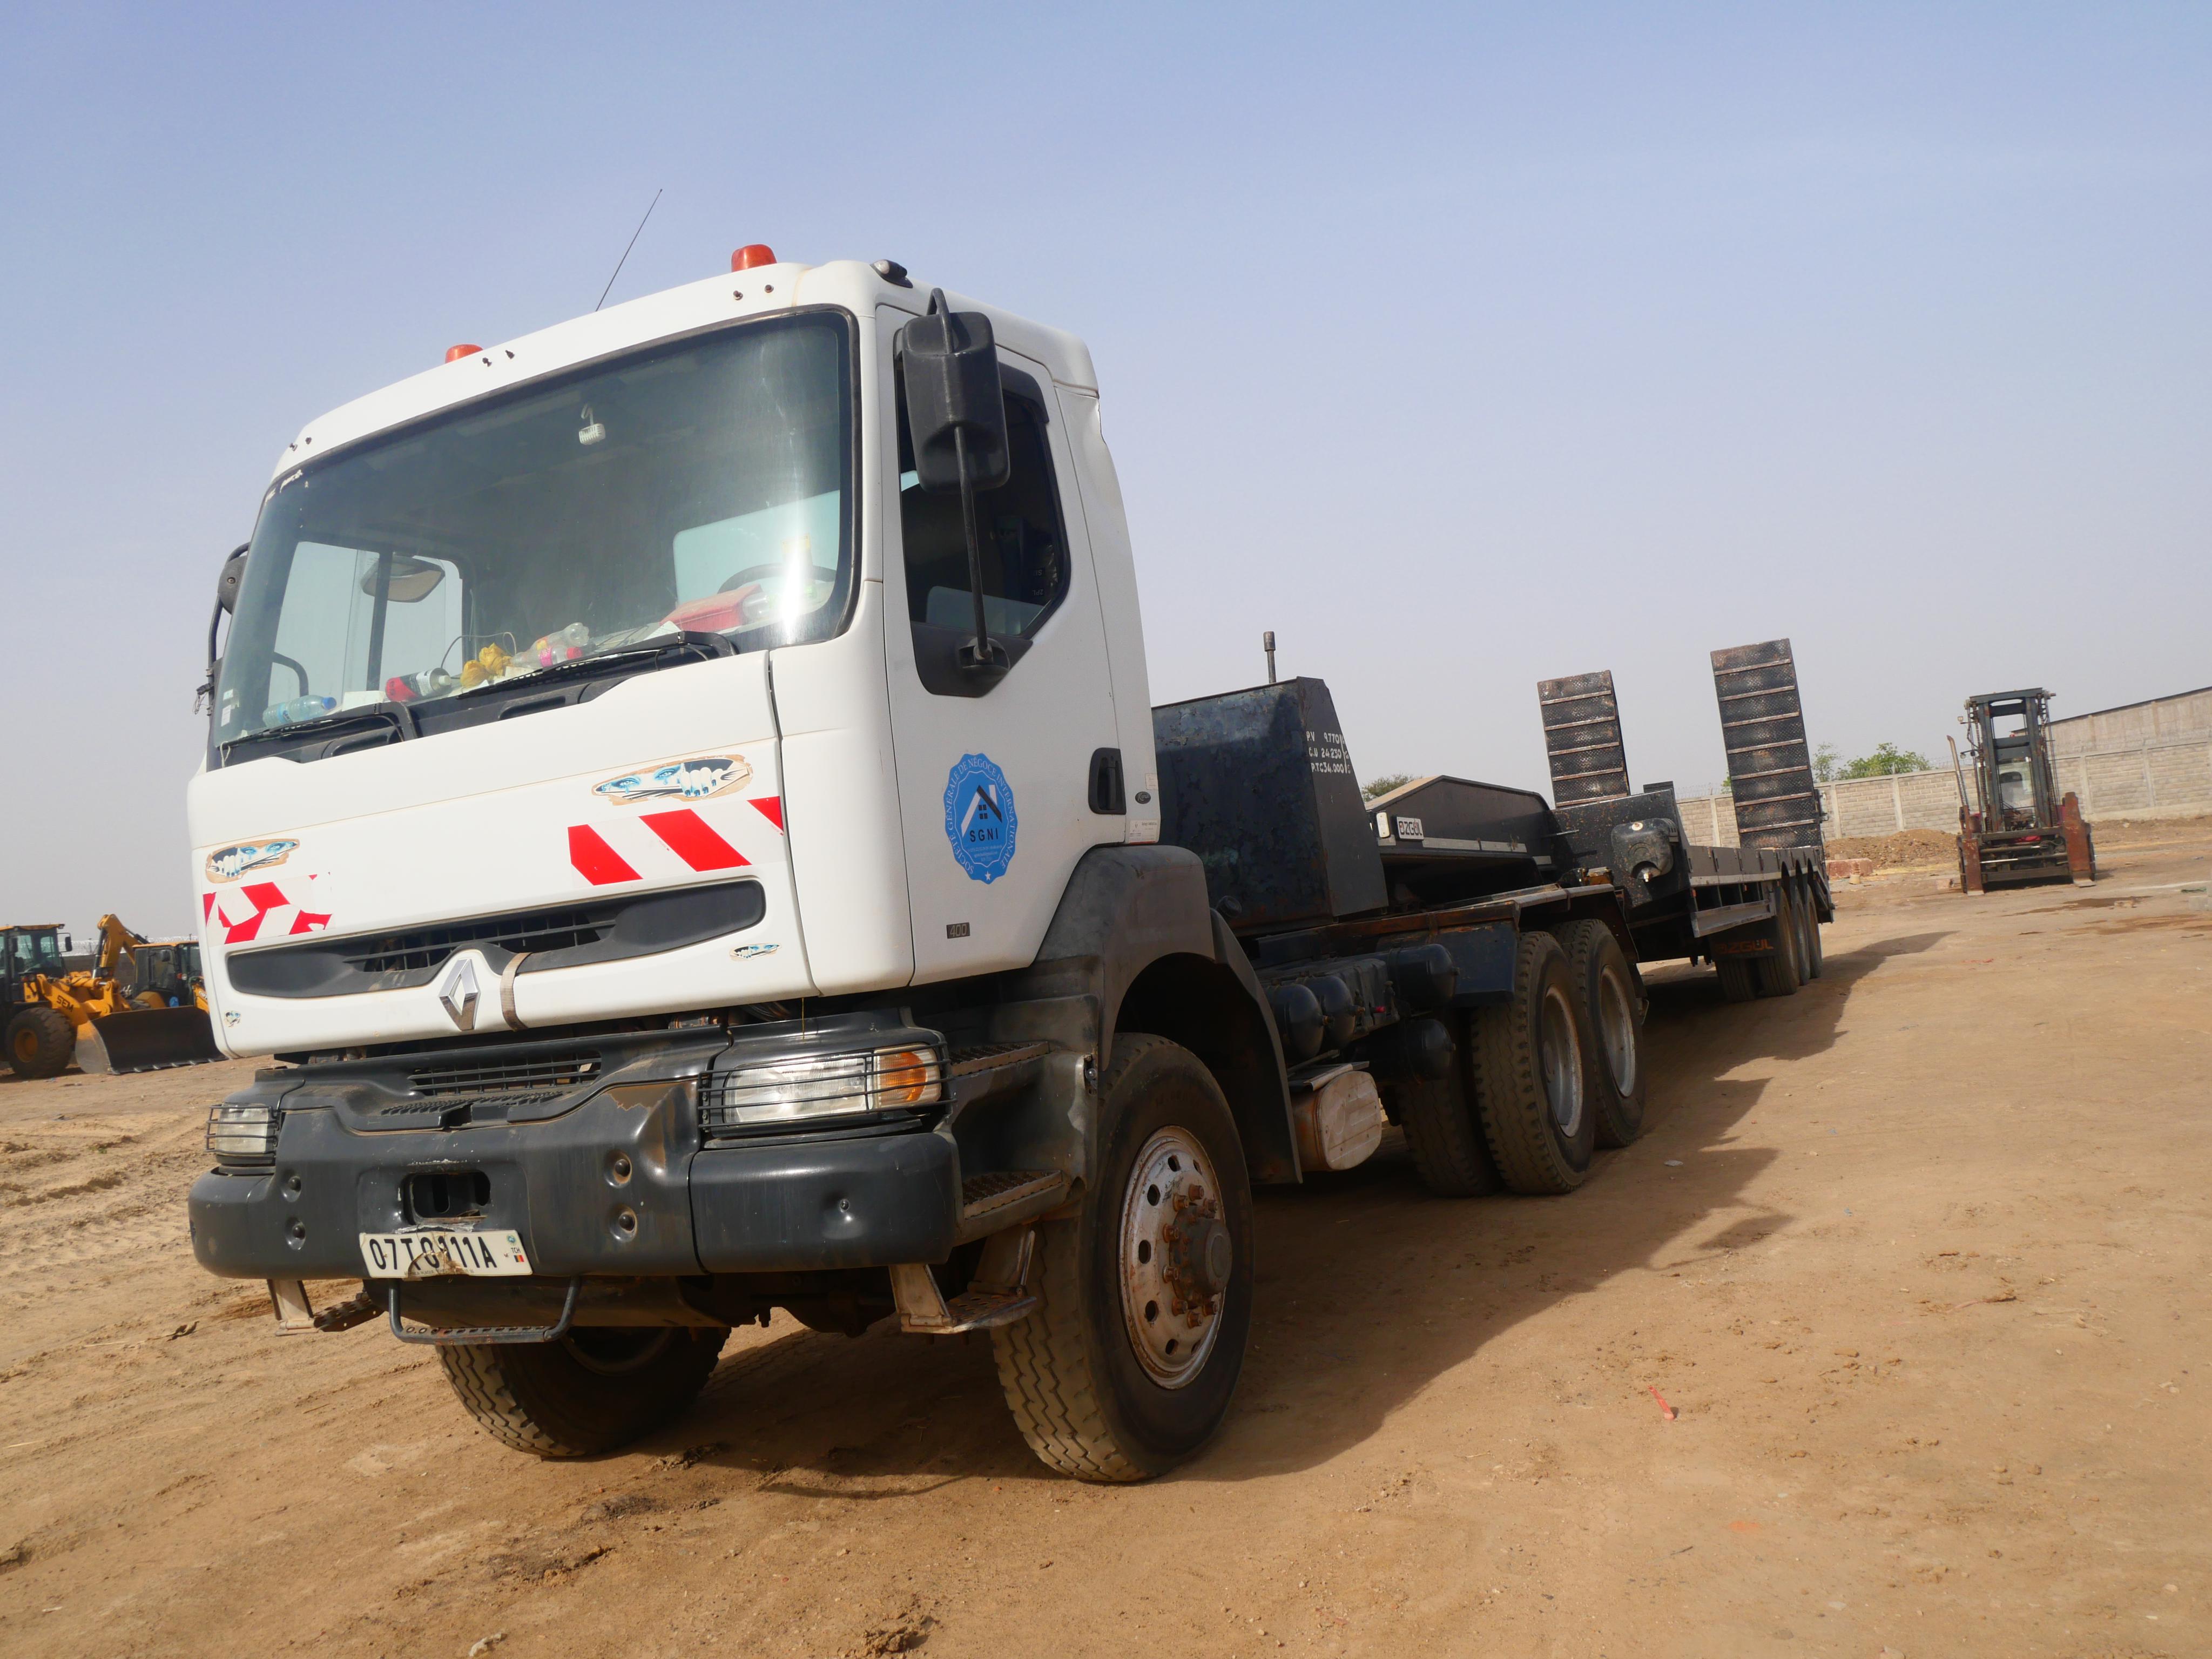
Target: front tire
{"x":41,"y":1042}
{"x":1129,"y":1362}
{"x":1531,"y":1077}
{"x":591,"y":1391}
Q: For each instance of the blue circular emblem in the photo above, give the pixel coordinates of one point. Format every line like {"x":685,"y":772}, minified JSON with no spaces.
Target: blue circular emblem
{"x":979,"y":817}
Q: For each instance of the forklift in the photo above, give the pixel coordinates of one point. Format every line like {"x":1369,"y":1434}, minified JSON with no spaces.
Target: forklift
{"x":2025,"y":830}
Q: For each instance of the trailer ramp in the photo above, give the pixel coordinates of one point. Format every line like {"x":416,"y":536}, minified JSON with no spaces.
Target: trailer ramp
{"x":1582,"y":738}
{"x":1777,"y":803}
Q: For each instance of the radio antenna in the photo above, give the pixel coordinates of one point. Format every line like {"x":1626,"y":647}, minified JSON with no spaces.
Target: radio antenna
{"x":624,"y":260}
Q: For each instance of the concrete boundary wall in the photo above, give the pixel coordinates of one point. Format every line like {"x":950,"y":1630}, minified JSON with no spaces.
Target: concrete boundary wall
{"x":2155,"y":780}
{"x":2185,"y":718}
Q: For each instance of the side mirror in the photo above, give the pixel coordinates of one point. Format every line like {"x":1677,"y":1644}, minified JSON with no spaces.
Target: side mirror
{"x":226,"y":585}
{"x":226,"y":604}
{"x":956,"y":414}
{"x":956,"y":409}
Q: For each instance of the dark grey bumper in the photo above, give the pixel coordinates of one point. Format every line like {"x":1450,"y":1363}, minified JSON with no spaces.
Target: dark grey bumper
{"x":771,"y":1205}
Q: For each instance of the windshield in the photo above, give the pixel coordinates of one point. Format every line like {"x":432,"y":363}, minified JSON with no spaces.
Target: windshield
{"x":701,"y":486}
{"x":36,"y":953}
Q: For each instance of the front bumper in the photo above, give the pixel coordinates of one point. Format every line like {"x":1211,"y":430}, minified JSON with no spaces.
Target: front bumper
{"x":618,"y":1185}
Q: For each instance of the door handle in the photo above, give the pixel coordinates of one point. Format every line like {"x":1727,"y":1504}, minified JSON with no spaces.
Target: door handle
{"x":1107,"y":799}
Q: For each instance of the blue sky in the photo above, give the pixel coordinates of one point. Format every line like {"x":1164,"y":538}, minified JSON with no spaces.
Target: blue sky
{"x":1460,"y":346}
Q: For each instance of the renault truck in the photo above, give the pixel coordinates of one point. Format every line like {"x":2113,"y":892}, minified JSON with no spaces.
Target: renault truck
{"x":684,"y":815}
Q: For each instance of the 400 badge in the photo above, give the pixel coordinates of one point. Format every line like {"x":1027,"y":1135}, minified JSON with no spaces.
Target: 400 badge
{"x":979,"y":817}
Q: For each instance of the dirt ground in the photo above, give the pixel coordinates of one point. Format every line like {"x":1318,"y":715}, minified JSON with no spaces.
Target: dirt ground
{"x":1918,"y":1257}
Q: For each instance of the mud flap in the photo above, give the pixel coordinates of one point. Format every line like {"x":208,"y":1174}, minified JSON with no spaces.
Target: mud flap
{"x":146,"y":1039}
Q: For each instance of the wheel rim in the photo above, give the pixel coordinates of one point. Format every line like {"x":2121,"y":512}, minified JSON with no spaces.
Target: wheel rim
{"x":1616,"y":1023}
{"x":1174,"y":1258}
{"x":26,"y":1044}
{"x":1561,"y":1058}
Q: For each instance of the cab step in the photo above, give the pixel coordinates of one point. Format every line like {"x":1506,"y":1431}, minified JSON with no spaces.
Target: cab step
{"x":990,"y":1203}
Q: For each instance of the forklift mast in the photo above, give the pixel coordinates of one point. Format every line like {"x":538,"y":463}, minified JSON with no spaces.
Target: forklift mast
{"x":2014,"y":775}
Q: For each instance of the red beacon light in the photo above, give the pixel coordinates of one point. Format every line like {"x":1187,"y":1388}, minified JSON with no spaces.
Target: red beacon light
{"x":454,"y":354}
{"x":751,"y":255}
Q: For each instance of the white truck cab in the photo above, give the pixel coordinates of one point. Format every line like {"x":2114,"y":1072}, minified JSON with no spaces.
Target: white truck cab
{"x":418,"y":744}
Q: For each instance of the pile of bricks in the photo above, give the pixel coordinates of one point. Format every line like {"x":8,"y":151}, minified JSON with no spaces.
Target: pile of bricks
{"x":1850,"y":869}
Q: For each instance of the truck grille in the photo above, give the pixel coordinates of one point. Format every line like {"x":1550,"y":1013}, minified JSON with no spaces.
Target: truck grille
{"x":540,"y":1079}
{"x":427,"y":947}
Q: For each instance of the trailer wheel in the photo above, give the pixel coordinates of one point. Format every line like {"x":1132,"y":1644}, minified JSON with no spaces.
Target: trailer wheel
{"x":1129,"y":1363}
{"x":1808,"y":915}
{"x":1801,"y":903}
{"x":1776,"y":975}
{"x":1736,"y":982}
{"x":1443,"y":1129}
{"x":1614,"y":1077}
{"x":40,"y":1043}
{"x":596,"y":1388}
{"x":1531,"y":1082}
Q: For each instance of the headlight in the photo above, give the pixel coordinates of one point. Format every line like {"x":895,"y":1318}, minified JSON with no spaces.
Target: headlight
{"x":243,"y":1135}
{"x":807,"y":1086}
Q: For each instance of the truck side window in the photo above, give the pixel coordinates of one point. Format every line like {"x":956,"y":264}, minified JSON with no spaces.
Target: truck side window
{"x":1024,"y":551}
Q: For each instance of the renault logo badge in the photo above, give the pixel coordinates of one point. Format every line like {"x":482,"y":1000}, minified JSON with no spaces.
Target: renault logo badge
{"x":458,"y":995}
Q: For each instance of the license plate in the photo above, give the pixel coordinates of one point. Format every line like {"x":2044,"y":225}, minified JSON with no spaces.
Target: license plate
{"x":435,"y":1252}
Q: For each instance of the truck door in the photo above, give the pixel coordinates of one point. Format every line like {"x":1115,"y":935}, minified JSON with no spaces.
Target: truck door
{"x":998,"y":781}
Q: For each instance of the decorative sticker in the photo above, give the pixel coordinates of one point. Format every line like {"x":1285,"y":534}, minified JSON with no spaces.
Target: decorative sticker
{"x":979,"y":820}
{"x":229,"y":863}
{"x":684,"y":779}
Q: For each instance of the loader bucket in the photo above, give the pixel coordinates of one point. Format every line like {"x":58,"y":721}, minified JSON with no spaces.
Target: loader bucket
{"x":145,"y":1040}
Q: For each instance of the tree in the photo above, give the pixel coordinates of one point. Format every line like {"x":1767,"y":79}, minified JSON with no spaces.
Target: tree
{"x":1383,"y":785}
{"x":1827,"y":763}
{"x":1887,"y":758}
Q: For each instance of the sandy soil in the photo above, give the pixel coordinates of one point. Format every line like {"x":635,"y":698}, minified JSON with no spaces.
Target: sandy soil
{"x":1917,"y":1256}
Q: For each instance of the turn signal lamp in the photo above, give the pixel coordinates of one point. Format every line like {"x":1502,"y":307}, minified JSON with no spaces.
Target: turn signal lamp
{"x":752,"y":254}
{"x":455,"y":353}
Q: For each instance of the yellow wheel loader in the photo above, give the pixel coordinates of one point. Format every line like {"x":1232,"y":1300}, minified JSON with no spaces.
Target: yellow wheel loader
{"x":120,"y":1016}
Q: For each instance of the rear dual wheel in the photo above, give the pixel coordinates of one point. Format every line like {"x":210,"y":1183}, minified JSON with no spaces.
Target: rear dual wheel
{"x":1532,"y":1067}
{"x":1613,"y":1011}
{"x":1776,"y":973}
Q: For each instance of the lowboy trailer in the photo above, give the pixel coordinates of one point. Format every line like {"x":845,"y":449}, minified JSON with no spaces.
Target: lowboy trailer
{"x":682,"y":808}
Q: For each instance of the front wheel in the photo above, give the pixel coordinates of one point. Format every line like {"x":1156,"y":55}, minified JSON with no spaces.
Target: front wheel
{"x":594,"y":1390}
{"x":1129,"y":1361}
{"x":41,"y":1042}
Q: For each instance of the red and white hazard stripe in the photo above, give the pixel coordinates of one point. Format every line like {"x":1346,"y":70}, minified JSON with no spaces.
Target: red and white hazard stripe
{"x":664,"y":845}
{"x":265,"y":910}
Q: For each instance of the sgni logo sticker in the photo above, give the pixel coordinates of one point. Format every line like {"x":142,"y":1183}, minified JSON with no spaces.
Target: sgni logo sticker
{"x":980,"y":821}
{"x":229,"y":863}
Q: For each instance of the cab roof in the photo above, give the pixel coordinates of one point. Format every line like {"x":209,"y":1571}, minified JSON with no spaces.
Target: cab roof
{"x":760,"y":291}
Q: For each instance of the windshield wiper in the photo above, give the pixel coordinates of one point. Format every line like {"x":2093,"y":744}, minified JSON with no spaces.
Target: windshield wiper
{"x":712,"y":645}
{"x":399,"y":716}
